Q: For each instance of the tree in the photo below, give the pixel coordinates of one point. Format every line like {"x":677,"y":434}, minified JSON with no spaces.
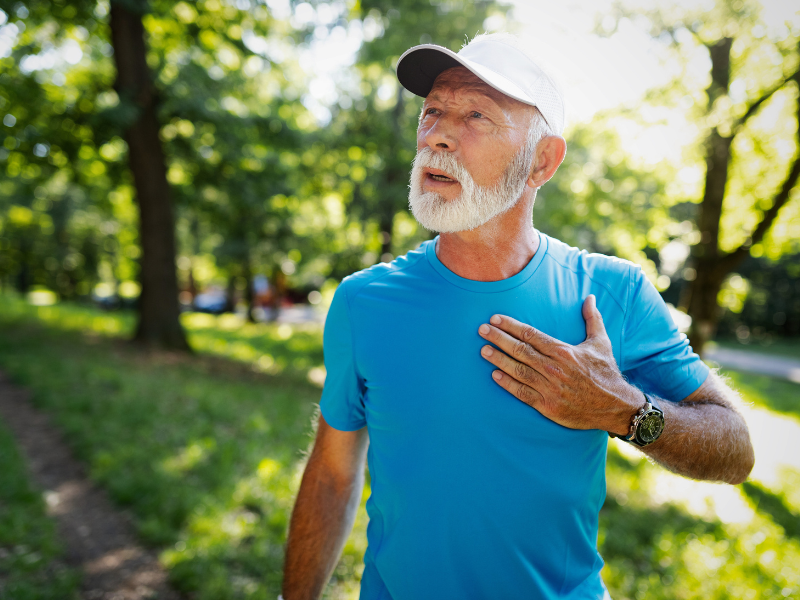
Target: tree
{"x":158,"y":323}
{"x":234,"y":132}
{"x":73,"y":126}
{"x":59,"y":163}
{"x":750,"y":179}
{"x":206,"y":131}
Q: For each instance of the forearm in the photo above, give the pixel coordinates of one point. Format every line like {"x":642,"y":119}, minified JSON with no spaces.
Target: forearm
{"x":321,"y":521}
{"x":705,"y":438}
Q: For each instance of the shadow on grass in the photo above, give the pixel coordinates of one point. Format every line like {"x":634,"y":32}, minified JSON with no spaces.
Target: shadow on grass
{"x":768,"y":392}
{"x":661,"y":551}
{"x":769,"y":503}
{"x":632,"y":529}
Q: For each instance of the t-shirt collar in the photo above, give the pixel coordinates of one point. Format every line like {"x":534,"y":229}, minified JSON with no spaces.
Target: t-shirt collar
{"x":487,"y":286}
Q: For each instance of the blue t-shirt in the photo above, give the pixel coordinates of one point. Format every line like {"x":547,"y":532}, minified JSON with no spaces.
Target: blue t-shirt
{"x":475,"y":494}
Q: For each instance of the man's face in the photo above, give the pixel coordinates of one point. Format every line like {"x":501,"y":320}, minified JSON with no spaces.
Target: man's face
{"x":473,"y":159}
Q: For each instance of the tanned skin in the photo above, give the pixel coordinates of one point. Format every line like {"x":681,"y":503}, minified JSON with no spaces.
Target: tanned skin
{"x":579,"y":386}
{"x":325,"y":509}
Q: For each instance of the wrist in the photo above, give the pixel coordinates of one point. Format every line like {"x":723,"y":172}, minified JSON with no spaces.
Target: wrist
{"x":630,"y":401}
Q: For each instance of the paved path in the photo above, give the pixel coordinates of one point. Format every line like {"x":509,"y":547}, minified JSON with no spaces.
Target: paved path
{"x":99,"y":538}
{"x":755,"y":362}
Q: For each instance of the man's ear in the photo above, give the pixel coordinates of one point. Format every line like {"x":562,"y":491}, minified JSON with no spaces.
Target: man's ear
{"x":550,"y":153}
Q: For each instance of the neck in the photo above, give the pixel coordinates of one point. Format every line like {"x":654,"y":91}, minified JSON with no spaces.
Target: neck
{"x":494,"y":251}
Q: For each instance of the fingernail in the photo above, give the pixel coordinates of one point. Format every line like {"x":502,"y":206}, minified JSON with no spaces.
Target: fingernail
{"x":484,"y":329}
{"x":495,"y":320}
{"x":487,"y":351}
{"x":497,"y":375}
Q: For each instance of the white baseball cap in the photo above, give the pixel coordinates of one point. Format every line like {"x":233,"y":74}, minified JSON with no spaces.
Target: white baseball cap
{"x":497,"y":62}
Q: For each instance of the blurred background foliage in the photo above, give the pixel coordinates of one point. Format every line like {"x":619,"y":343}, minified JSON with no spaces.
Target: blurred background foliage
{"x":277,"y":196}
{"x":282,"y":183}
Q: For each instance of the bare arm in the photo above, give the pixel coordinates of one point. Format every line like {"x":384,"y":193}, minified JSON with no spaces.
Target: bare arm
{"x":581,"y":387}
{"x":324,"y":510}
{"x":705,"y":437}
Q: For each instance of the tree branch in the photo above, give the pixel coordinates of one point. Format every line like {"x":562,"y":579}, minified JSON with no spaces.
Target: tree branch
{"x":779,"y":201}
{"x":753,"y":108}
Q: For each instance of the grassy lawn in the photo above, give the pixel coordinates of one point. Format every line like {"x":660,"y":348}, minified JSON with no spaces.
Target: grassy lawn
{"x":206,"y":453}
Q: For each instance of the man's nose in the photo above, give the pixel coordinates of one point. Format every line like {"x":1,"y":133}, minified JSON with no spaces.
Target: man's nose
{"x":441,"y":136}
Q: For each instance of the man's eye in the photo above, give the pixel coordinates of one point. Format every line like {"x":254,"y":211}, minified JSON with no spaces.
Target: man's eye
{"x":476,"y":115}
{"x":431,"y":111}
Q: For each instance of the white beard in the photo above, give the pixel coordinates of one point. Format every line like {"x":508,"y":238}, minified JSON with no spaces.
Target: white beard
{"x":476,"y":205}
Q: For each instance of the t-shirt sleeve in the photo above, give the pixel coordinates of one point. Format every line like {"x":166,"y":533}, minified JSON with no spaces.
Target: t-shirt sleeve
{"x":342,"y":402}
{"x":656,"y":357}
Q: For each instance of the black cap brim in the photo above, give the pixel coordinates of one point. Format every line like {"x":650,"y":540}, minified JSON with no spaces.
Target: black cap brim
{"x":418,"y":69}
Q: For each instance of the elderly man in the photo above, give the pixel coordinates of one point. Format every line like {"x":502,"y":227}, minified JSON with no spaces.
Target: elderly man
{"x":482,"y":374}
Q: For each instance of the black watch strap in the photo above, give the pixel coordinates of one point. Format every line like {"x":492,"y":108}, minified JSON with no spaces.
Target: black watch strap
{"x":653,"y":416}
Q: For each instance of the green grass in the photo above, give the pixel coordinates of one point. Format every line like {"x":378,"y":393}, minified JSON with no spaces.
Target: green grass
{"x":206,"y":453}
{"x":774,"y":394}
{"x":31,"y":559}
{"x":655,"y":549}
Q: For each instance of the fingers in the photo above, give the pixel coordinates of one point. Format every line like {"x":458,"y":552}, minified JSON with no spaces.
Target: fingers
{"x":594,"y":320}
{"x":521,"y":391}
{"x":519,"y":371}
{"x":525,"y":333}
{"x":517,"y":348}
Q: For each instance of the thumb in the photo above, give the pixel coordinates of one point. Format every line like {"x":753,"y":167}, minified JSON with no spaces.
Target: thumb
{"x":594,"y":320}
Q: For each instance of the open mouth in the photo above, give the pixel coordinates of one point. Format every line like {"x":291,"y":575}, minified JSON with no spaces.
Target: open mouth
{"x":440,"y":177}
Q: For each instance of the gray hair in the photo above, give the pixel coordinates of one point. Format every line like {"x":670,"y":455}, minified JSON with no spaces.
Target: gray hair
{"x":538,"y":129}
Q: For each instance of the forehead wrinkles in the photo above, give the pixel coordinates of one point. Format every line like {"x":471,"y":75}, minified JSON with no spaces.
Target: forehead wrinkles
{"x":456,"y":90}
{"x":459,"y":84}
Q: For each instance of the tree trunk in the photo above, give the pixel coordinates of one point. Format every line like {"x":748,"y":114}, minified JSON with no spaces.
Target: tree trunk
{"x":700,"y":302}
{"x":393,"y":175}
{"x":230,"y":295}
{"x":24,"y":275}
{"x":60,"y":214}
{"x":194,"y":227}
{"x":278,"y":285}
{"x":701,"y":294}
{"x":159,"y":323}
{"x":191,"y":285}
{"x":711,"y":265}
{"x":249,"y":296}
{"x":386,"y":225}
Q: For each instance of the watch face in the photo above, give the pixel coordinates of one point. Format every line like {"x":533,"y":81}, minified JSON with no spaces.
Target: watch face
{"x":650,"y":427}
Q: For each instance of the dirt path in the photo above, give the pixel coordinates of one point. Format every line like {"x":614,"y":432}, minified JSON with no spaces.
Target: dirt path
{"x":99,"y":538}
{"x":756,"y":362}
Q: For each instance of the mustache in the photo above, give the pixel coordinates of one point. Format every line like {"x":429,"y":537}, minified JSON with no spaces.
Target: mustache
{"x":443,"y":161}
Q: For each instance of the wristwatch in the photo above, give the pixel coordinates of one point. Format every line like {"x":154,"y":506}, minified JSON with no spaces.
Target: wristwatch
{"x":647,"y":424}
